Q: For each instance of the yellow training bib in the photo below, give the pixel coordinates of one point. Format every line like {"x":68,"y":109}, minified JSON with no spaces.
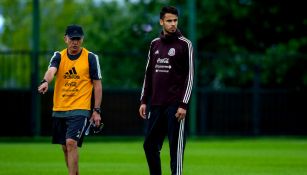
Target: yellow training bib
{"x":73,"y":86}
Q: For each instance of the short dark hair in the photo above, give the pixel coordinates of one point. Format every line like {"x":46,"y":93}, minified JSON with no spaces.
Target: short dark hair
{"x":168,"y":9}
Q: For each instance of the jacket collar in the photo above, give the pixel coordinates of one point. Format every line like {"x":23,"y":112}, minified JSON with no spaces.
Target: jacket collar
{"x":170,"y":37}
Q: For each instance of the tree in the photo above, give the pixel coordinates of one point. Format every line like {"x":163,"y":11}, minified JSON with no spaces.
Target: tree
{"x":269,"y":34}
{"x":234,"y":37}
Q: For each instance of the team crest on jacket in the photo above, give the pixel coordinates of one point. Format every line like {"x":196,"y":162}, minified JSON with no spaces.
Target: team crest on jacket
{"x":171,"y":52}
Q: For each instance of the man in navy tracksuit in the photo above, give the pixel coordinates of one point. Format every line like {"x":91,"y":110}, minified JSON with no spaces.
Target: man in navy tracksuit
{"x":167,"y":88}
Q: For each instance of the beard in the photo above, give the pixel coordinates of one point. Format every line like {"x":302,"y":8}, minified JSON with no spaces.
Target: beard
{"x":170,"y":31}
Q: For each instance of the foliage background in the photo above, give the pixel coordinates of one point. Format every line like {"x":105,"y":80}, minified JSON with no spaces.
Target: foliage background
{"x":236,"y":39}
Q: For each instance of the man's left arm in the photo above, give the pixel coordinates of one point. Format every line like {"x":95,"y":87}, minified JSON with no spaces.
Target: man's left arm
{"x":97,"y":85}
{"x":95,"y":74}
{"x":188,"y":85}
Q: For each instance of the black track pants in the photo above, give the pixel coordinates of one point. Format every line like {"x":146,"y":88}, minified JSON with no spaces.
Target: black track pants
{"x":161,"y":122}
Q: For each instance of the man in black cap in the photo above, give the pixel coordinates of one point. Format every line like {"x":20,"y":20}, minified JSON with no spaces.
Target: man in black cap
{"x":78,"y":73}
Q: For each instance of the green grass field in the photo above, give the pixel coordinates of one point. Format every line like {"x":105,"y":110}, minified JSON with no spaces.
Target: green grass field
{"x":205,"y":156}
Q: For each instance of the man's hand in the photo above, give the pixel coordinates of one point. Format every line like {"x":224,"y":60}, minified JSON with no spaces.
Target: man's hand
{"x":142,"y":111}
{"x":96,"y":118}
{"x":181,"y":113}
{"x":43,"y":88}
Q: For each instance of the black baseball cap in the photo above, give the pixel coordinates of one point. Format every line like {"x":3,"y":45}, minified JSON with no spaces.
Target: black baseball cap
{"x":74,"y":31}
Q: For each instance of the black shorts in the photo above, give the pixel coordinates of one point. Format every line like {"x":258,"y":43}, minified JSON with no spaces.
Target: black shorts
{"x":72,"y":127}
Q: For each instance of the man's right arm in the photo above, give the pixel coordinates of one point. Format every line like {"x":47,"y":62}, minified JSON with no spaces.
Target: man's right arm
{"x":50,"y":73}
{"x":144,"y":94}
{"x":146,"y":89}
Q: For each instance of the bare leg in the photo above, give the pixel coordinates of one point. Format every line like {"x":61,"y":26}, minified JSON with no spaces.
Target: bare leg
{"x":65,"y":154}
{"x":72,"y":156}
